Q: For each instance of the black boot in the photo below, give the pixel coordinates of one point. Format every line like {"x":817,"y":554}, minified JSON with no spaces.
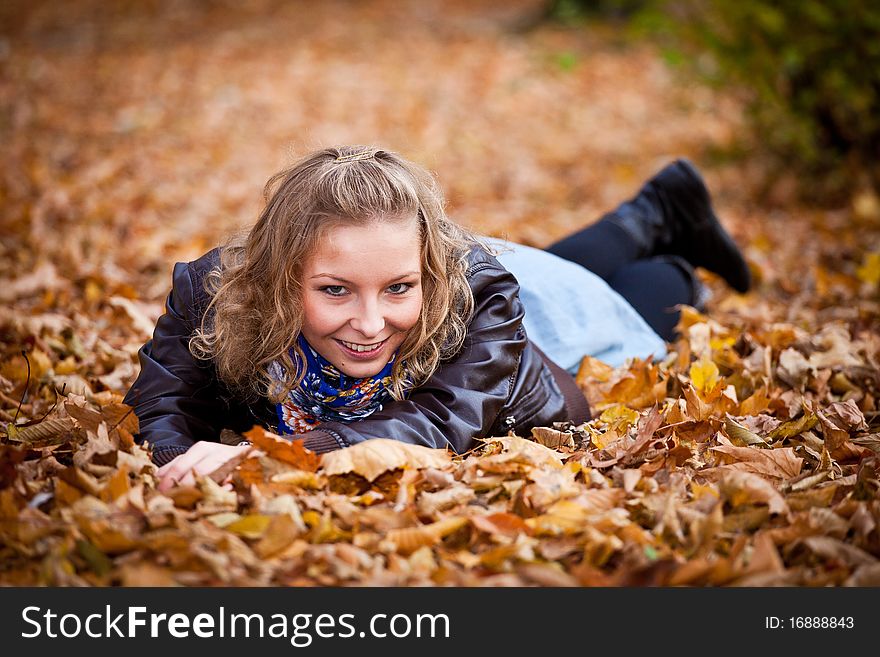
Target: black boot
{"x":672,"y":214}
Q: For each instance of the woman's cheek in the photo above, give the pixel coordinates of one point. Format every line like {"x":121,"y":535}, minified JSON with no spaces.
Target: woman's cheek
{"x":415,"y":312}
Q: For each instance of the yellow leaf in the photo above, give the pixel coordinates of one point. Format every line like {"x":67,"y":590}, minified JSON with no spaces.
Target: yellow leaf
{"x":740,"y":433}
{"x":602,"y":440}
{"x":619,"y":416}
{"x":48,"y":432}
{"x":252,"y":526}
{"x":593,"y":368}
{"x":794,"y":427}
{"x":690,"y":316}
{"x":869,"y":272}
{"x":704,"y":374}
{"x":699,"y":491}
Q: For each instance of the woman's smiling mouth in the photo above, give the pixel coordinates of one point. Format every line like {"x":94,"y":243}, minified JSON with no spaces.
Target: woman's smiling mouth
{"x":361,"y":350}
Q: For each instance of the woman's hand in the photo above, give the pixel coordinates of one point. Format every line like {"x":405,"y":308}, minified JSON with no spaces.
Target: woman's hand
{"x":201,"y":459}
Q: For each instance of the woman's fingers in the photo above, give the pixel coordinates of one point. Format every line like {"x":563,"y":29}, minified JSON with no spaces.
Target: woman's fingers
{"x":179,"y":475}
{"x":179,"y":471}
{"x":201,"y":459}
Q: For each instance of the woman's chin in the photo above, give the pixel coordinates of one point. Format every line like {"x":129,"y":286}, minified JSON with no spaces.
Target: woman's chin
{"x":360,"y":372}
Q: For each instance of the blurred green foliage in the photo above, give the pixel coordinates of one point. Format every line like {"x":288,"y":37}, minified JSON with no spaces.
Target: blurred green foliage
{"x":809,"y":69}
{"x":576,"y":11}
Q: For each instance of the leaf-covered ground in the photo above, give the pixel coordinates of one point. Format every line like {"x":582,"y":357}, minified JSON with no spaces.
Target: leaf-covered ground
{"x":138,"y":134}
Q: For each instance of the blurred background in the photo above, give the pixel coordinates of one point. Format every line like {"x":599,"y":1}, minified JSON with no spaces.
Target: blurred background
{"x":138,"y":133}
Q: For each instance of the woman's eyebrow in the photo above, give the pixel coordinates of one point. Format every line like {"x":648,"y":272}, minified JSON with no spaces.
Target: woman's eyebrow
{"x":348,"y":282}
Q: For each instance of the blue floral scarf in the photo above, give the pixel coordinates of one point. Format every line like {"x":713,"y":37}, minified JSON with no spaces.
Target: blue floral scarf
{"x":327,"y":395}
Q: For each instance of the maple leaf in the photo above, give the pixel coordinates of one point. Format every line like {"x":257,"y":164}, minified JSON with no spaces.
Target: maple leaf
{"x":288,"y":451}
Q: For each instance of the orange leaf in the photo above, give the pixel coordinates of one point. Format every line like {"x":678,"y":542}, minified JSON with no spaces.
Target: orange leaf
{"x":281,"y":449}
{"x":506,"y":524}
{"x":116,"y":486}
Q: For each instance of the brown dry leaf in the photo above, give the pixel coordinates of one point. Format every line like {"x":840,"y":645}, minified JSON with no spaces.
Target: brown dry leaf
{"x":81,"y":480}
{"x":846,"y":415}
{"x":112,"y":535}
{"x":834,"y":549}
{"x":280,"y":534}
{"x":740,"y":487}
{"x":87,"y":418}
{"x":120,"y":416}
{"x":372,"y":458}
{"x":697,"y":409}
{"x":215,"y":497}
{"x":647,"y":426}
{"x":117,"y":485}
{"x":229,"y":466}
{"x":288,"y":451}
{"x":836,"y":349}
{"x":757,"y":403}
{"x":793,"y":368}
{"x":44,"y":277}
{"x":501,"y":524}
{"x":740,"y":433}
{"x":552,"y":438}
{"x":185,"y":497}
{"x":807,"y":497}
{"x":410,"y":539}
{"x":640,"y":386}
{"x":780,"y":463}
{"x":431,"y":503}
{"x":144,"y":573}
{"x":54,"y":431}
{"x":298,"y":479}
{"x":868,"y":575}
{"x":545,"y":574}
{"x":520,"y":450}
{"x":836,"y":438}
{"x":143,"y":318}
{"x":121,"y":377}
{"x":591,"y":378}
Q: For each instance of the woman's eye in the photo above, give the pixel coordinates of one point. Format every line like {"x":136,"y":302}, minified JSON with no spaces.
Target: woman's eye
{"x":334,"y":290}
{"x":399,"y":288}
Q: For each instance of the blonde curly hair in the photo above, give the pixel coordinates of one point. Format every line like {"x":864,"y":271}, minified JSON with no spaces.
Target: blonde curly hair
{"x":256,"y":314}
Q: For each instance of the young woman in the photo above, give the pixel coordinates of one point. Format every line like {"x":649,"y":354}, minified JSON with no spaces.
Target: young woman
{"x":355,"y":309}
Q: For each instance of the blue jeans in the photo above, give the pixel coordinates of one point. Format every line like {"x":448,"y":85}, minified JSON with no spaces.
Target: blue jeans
{"x":653,"y":286}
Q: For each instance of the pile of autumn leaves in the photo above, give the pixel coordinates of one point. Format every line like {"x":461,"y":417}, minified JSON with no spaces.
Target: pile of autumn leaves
{"x":748,"y":457}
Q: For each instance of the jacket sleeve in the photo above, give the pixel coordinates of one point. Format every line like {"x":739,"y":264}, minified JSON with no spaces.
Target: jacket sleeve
{"x":463,"y":398}
{"x":175,"y":395}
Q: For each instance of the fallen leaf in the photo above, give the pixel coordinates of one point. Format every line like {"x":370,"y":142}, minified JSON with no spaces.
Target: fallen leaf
{"x":288,"y":451}
{"x":780,"y":463}
{"x":740,"y":487}
{"x":372,"y":458}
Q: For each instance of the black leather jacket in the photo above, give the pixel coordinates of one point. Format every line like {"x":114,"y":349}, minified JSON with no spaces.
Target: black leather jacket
{"x":499,"y":381}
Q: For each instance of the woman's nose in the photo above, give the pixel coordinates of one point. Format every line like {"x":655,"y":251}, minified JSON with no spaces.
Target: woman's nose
{"x":370,"y":321}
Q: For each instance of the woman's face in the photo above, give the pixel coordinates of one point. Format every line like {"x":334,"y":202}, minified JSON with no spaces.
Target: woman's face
{"x":362,"y":293}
